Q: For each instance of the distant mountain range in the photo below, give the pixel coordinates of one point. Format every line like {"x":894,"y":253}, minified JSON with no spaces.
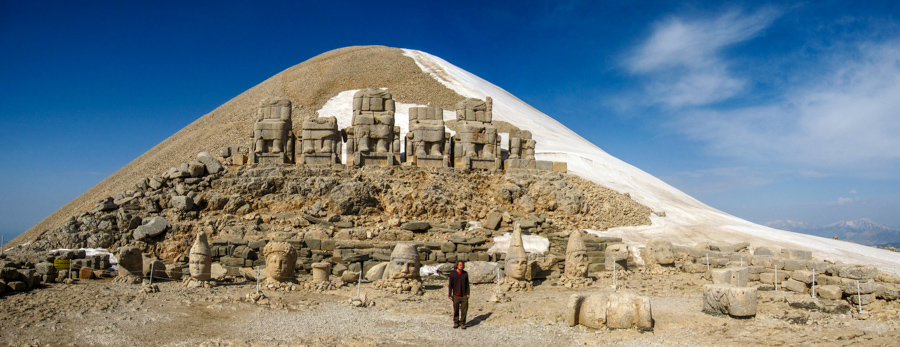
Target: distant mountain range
{"x":863,"y":231}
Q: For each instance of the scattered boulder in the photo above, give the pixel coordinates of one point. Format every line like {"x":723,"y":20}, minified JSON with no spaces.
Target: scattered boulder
{"x":151,"y":227}
{"x":660,"y":252}
{"x":351,"y":198}
{"x":416,"y":226}
{"x":609,"y":308}
{"x":210,"y":162}
{"x":730,"y":300}
{"x":376,"y":272}
{"x":131,"y":262}
{"x":182,"y":203}
{"x":481,"y":271}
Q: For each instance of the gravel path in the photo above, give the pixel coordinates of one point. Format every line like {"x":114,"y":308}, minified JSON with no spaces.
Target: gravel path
{"x":105,"y":313}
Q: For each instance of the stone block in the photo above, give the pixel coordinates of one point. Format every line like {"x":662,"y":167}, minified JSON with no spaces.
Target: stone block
{"x":852,"y":288}
{"x":830,"y":292}
{"x":863,"y":299}
{"x":794,"y":265}
{"x":17,"y":286}
{"x":769,"y":277}
{"x":151,"y":227}
{"x":481,"y":271}
{"x":463,"y":248}
{"x":314,"y":244}
{"x":210,"y":162}
{"x":730,"y":300}
{"x":796,"y":254}
{"x":328,"y":245}
{"x":416,"y":226}
{"x":856,"y":272}
{"x":887,"y":291}
{"x":493,"y":220}
{"x":803,"y":276}
{"x":448,"y":247}
{"x":764,"y":251}
{"x":737,"y":277}
{"x":560,"y":166}
{"x":795,"y":286}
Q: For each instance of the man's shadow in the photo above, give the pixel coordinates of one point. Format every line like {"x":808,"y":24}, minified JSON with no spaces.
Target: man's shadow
{"x":478,"y":319}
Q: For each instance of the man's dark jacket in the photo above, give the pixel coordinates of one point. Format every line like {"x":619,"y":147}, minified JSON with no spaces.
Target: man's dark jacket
{"x":459,"y":283}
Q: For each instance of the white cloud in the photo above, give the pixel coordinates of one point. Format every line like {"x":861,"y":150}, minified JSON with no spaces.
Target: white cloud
{"x":841,"y":201}
{"x":848,"y":119}
{"x":683,"y":57}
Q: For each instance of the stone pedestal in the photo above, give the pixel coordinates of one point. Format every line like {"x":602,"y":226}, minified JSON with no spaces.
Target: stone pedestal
{"x":321,"y":271}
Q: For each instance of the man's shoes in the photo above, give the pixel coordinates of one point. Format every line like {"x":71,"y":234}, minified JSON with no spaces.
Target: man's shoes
{"x":456,"y":326}
{"x":462,"y":326}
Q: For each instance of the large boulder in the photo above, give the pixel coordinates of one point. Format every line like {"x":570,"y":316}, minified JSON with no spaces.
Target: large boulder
{"x":131,"y":262}
{"x":351,"y":198}
{"x":182,"y":203}
{"x":376,"y":272}
{"x":609,"y":308}
{"x":151,"y":227}
{"x":730,"y":300}
{"x":628,"y":310}
{"x":481,"y":271}
{"x":157,"y":266}
{"x":660,"y":252}
{"x":210,"y":162}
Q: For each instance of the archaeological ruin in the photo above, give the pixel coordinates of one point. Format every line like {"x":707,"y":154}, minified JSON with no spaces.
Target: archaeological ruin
{"x":357,"y":211}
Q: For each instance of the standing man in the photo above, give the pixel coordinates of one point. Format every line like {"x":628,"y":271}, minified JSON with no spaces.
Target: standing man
{"x":459,"y":294}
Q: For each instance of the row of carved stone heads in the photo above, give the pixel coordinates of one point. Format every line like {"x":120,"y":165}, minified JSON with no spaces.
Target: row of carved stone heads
{"x":281,"y":258}
{"x":373,"y":138}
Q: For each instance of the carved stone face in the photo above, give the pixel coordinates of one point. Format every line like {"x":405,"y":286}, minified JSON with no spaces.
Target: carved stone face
{"x":200,"y":266}
{"x":517,"y":268}
{"x":404,"y":262}
{"x":280,"y":260}
{"x":403,"y":268}
{"x":199,"y":261}
{"x":576,"y":264}
{"x":278,"y":267}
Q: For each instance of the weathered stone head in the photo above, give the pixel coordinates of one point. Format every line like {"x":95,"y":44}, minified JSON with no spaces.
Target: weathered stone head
{"x":200,"y":259}
{"x":516,"y":258}
{"x":131,"y":262}
{"x":404,"y":262}
{"x":576,"y":256}
{"x":280,"y":260}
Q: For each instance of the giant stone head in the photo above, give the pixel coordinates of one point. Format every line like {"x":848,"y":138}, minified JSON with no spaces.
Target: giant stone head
{"x":200,"y":261}
{"x":516,"y":258}
{"x":404,"y":262}
{"x":280,"y":260}
{"x":576,"y":256}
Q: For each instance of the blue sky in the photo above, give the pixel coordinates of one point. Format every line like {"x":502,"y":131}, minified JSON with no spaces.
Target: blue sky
{"x":780,"y":110}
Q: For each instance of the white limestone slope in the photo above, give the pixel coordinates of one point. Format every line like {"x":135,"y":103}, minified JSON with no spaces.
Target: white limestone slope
{"x":687,"y":221}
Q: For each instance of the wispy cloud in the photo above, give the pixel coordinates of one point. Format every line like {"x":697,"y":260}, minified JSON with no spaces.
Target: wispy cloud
{"x":841,"y":201}
{"x":683,"y":57}
{"x":847,"y":119}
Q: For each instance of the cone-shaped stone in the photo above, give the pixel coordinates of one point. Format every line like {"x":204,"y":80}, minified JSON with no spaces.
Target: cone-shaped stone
{"x":200,"y":258}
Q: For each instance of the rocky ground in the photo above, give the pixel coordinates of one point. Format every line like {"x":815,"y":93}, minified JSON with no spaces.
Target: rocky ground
{"x":104,"y":312}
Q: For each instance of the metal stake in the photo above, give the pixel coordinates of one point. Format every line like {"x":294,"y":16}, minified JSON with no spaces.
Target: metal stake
{"x":814,"y":284}
{"x":359,"y":282}
{"x":776,"y":278}
{"x":707,"y":262}
{"x":151,"y":273}
{"x":858,"y":297}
